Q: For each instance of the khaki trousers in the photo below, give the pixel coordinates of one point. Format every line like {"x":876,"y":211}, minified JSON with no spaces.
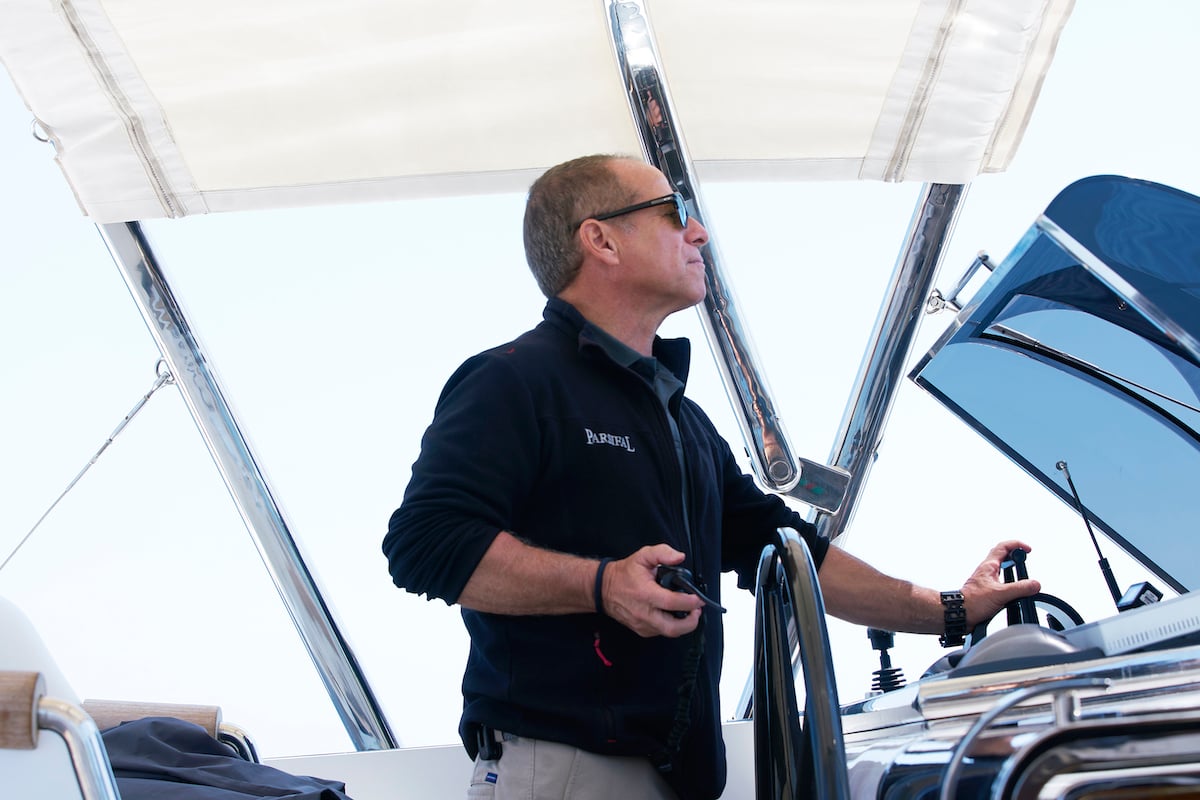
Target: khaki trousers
{"x":534,"y":769}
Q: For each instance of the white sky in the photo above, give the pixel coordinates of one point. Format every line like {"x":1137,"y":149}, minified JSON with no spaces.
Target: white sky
{"x":334,"y":331}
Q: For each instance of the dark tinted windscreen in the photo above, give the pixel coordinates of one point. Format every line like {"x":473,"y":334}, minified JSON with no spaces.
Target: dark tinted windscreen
{"x":1083,"y":357}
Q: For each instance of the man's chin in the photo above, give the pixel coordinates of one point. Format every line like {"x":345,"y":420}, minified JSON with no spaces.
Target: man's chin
{"x":692,"y":302}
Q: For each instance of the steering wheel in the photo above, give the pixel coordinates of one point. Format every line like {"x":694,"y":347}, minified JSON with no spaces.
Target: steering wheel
{"x":1041,"y":609}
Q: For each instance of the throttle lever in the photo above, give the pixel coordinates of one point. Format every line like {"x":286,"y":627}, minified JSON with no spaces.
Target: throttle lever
{"x":1022,"y":610}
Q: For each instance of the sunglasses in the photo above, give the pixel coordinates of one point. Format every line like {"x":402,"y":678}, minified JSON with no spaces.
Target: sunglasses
{"x":675,"y":198}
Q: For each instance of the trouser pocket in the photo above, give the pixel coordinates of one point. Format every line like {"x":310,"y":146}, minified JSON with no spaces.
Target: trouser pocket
{"x":483,"y":780}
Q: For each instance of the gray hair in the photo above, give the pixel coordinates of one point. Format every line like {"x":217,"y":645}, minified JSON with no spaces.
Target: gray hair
{"x":558,"y":201}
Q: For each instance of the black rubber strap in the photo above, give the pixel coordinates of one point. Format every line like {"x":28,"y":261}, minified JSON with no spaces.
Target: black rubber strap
{"x":598,"y":589}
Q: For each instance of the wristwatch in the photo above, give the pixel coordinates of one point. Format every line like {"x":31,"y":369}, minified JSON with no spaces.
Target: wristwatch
{"x":955,"y":617}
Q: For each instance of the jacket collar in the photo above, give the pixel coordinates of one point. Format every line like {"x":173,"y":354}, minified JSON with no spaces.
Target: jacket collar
{"x":674,"y":354}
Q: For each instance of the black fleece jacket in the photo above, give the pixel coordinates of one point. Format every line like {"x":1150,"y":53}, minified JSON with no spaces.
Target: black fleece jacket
{"x":548,"y":438}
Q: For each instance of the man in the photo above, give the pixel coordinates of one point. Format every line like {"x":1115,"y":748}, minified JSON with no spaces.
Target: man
{"x":562,"y":470}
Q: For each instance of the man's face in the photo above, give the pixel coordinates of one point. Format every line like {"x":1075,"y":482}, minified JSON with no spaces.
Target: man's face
{"x":661,"y":262}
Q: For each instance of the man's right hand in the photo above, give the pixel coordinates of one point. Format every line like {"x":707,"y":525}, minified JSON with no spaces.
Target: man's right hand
{"x":633,"y":597}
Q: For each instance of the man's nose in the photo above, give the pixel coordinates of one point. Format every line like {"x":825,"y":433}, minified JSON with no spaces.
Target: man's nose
{"x":696,"y":233}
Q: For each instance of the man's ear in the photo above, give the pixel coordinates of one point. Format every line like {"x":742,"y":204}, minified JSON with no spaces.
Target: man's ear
{"x":596,"y":242}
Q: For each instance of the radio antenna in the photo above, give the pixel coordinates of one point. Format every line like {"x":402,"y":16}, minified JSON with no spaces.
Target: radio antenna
{"x":1061,"y":466}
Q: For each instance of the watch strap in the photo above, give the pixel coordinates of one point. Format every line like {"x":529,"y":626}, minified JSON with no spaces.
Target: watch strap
{"x":955,"y":620}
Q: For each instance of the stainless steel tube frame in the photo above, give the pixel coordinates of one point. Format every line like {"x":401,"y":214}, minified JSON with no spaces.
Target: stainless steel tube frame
{"x":86,"y":748}
{"x":663,"y":146}
{"x":1065,"y":713}
{"x":331,"y":654}
{"x":823,"y":720}
{"x":884,"y":361}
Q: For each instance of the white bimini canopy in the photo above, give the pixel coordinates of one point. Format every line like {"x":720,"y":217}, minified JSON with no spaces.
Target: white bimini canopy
{"x":164,"y":108}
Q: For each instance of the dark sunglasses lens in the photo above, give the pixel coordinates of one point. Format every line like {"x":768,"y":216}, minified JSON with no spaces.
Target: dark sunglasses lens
{"x":681,"y":210}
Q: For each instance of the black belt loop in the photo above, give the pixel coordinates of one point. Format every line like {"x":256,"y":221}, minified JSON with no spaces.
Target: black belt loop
{"x":489,"y":745}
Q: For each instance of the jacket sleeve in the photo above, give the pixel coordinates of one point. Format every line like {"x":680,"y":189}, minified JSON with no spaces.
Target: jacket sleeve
{"x":750,"y":519}
{"x":478,"y":457}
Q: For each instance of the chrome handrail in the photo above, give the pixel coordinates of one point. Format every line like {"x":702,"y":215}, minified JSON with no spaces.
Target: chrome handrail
{"x":787,"y":565}
{"x":85,"y":746}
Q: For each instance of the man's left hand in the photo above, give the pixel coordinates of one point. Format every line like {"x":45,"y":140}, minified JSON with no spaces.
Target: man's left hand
{"x":985,"y":592}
